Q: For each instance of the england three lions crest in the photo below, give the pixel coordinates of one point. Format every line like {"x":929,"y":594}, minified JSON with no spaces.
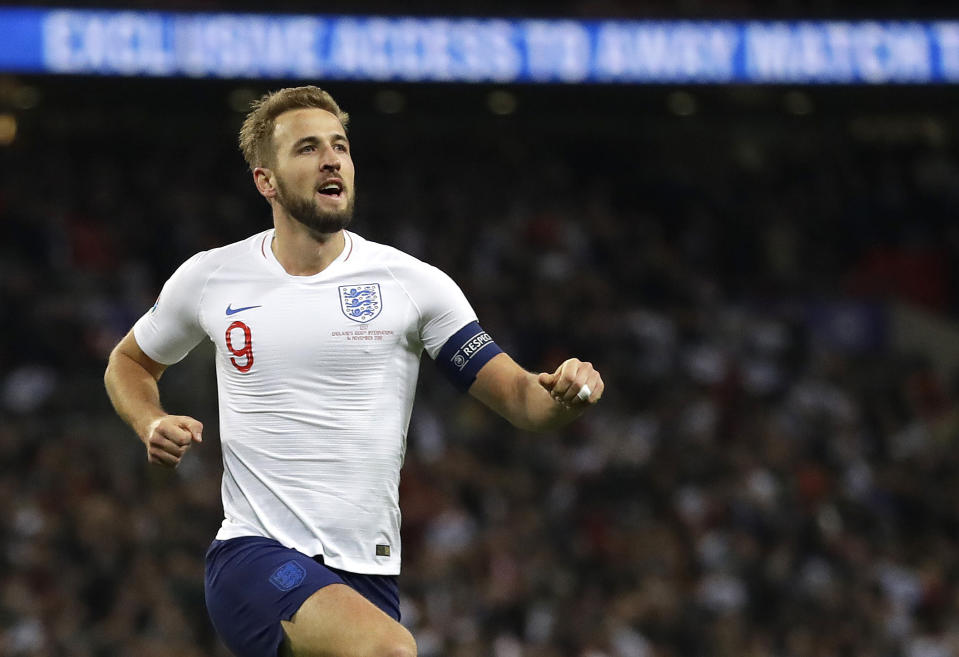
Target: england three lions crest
{"x":361,"y":303}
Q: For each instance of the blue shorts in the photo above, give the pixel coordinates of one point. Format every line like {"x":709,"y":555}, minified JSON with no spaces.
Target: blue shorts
{"x":252,"y":583}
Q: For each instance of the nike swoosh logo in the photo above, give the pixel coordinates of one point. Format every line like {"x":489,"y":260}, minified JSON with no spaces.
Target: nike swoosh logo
{"x":230,"y":310}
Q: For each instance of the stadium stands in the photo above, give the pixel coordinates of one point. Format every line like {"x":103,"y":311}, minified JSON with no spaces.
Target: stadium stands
{"x":767,"y":476}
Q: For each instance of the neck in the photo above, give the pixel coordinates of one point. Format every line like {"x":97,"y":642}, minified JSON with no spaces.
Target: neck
{"x":302,"y":251}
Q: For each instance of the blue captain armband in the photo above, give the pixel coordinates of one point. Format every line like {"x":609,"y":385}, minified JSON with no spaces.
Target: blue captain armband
{"x":465,"y":353}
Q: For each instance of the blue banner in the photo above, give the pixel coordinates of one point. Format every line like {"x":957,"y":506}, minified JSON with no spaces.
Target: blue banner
{"x":139,"y":43}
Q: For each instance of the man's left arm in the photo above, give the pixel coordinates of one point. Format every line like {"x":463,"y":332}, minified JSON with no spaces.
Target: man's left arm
{"x":537,"y":402}
{"x":471,"y":360}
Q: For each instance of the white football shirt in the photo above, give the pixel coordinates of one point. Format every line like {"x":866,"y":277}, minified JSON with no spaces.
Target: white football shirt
{"x":316,"y":377}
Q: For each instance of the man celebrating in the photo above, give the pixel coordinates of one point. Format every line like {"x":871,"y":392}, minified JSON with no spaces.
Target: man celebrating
{"x":318,"y":336}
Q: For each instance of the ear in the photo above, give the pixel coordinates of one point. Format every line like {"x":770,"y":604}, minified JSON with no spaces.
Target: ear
{"x":264,"y":181}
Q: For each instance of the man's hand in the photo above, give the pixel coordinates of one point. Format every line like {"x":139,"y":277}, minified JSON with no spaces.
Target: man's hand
{"x":169,"y":437}
{"x":564,"y":385}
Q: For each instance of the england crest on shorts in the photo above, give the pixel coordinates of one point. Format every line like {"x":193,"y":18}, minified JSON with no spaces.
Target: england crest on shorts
{"x":288,"y":576}
{"x":361,"y":303}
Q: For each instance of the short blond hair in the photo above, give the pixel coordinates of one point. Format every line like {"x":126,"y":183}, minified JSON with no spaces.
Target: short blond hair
{"x":256,"y":134}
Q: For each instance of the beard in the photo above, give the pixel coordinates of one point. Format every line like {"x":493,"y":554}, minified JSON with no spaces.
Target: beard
{"x":308,"y":212}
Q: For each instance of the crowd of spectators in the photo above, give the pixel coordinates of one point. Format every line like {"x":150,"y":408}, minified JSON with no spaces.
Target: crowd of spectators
{"x":748,"y":486}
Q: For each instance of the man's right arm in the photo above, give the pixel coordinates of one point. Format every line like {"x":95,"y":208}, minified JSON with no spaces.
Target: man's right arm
{"x":131,"y":382}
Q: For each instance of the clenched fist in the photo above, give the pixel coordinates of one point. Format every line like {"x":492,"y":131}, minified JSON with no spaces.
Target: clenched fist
{"x":573,"y":383}
{"x":169,"y":437}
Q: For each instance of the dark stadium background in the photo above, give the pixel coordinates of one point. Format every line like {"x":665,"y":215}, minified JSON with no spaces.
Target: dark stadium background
{"x":765,"y":276}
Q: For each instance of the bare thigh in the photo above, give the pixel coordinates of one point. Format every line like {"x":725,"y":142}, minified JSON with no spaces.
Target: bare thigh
{"x":336,"y":621}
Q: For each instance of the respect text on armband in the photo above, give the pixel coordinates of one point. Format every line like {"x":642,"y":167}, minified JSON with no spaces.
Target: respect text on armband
{"x":463,"y":355}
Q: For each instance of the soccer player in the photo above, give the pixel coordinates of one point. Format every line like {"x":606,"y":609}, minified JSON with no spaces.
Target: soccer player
{"x":318,"y":336}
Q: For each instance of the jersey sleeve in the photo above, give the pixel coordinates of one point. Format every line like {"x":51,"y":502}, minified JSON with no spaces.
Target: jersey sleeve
{"x":169,"y":330}
{"x":443,"y":307}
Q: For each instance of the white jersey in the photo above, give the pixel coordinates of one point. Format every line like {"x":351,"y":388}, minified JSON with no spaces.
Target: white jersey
{"x":316,"y":377}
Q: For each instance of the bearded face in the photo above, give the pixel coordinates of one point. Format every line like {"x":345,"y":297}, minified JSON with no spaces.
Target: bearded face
{"x":315,"y":213}
{"x":313,"y":173}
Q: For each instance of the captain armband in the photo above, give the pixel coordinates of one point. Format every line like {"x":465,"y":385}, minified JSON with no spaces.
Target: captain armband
{"x":464,"y":354}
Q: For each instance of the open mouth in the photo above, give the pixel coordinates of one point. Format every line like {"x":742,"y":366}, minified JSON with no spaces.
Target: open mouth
{"x":332,"y":189}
